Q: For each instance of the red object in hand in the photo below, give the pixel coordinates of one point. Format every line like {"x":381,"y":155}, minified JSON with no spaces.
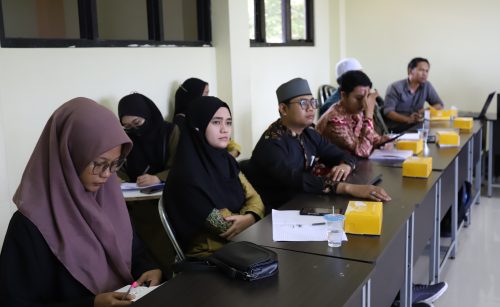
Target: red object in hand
{"x":320,"y":170}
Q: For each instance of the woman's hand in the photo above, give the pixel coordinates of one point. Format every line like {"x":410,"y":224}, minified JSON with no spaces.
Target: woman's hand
{"x":112,"y":299}
{"x":153,"y":276}
{"x":340,"y":172}
{"x":146,"y":180}
{"x":240,"y":223}
{"x":371,"y":192}
{"x":235,"y":153}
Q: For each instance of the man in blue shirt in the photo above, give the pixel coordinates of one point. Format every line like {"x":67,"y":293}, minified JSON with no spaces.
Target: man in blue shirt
{"x":404,"y":100}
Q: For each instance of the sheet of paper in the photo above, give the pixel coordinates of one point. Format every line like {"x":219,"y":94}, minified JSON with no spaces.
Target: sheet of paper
{"x":289,"y":225}
{"x":138,"y":292}
{"x":129,"y":186}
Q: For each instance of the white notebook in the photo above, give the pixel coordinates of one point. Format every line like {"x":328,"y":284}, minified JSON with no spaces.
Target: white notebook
{"x":138,"y":292}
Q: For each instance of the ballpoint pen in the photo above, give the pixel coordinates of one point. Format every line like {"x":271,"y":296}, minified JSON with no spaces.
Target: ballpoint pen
{"x":302,"y":225}
{"x":146,"y":170}
{"x":313,"y":159}
{"x":132,"y":286}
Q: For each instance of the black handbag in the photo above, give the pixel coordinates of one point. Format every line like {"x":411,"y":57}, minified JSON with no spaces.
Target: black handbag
{"x":245,"y":260}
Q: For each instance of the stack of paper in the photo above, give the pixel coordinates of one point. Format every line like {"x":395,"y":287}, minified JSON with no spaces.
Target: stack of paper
{"x":390,"y":155}
{"x":289,"y":225}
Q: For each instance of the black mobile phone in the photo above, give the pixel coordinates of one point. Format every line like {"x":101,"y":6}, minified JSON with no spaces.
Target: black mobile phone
{"x":431,"y":139}
{"x":391,"y":139}
{"x":318,"y":211}
{"x":151,"y":190}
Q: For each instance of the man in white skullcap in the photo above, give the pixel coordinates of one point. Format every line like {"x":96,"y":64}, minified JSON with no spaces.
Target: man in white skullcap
{"x":341,"y":68}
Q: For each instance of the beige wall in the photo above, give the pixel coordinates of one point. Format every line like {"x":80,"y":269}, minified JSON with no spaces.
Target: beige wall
{"x":459,"y":37}
{"x":34,"y":82}
{"x":273,"y":66}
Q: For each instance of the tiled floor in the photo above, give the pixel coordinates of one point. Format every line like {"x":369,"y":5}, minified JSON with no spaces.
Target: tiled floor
{"x":474,"y":275}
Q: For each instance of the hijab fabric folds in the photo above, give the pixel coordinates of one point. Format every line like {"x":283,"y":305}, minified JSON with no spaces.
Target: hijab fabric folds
{"x":150,"y":139}
{"x":203,"y":177}
{"x":89,"y":232}
{"x":191,"y":89}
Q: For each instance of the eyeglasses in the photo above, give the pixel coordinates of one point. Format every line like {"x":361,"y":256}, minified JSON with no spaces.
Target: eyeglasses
{"x":136,"y":123}
{"x":113,"y":166}
{"x":305,"y":103}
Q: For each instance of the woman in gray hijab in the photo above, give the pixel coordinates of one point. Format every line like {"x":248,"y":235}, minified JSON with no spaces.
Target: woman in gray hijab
{"x":71,"y":242}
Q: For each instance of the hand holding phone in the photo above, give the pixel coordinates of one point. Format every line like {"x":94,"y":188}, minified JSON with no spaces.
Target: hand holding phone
{"x":391,"y":140}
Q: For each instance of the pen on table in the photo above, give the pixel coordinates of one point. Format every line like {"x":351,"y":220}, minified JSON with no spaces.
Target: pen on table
{"x":313,"y":224}
{"x":146,"y":170}
{"x":132,"y":286}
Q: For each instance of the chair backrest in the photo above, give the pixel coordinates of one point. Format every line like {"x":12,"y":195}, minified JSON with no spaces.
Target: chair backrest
{"x":324,"y":92}
{"x":380,"y":125}
{"x":169,"y":230}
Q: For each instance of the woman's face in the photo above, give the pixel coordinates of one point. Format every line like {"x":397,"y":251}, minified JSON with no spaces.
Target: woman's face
{"x":205,"y":91}
{"x":97,"y":172}
{"x":219,"y":129}
{"x":130,"y":122}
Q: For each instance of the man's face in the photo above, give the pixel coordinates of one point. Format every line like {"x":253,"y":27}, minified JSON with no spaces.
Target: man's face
{"x":354,"y":101}
{"x":419,"y":73}
{"x":299,"y":114}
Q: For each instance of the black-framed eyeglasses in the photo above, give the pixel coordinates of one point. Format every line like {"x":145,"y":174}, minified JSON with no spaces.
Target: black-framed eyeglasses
{"x":305,"y":103}
{"x":113,"y":166}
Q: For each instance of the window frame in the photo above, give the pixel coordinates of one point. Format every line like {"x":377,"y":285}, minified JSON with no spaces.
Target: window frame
{"x":260,"y":25}
{"x":89,"y":37}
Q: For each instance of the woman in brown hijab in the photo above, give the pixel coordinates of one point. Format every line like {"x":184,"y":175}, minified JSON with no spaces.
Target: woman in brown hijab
{"x":71,"y":242}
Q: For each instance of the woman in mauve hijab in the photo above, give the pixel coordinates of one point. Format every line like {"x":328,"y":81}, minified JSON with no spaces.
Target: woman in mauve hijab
{"x":207,"y":198}
{"x":70,"y":243}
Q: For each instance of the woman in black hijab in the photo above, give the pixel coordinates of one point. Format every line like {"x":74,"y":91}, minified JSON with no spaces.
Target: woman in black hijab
{"x":206,"y":196}
{"x":144,"y":124}
{"x":148,"y":163}
{"x":191,"y":89}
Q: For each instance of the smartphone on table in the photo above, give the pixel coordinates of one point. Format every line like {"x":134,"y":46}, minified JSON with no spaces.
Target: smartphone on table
{"x":151,"y":190}
{"x":318,"y":211}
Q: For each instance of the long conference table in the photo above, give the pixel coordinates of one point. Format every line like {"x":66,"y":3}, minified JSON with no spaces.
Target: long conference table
{"x":365,"y":270}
